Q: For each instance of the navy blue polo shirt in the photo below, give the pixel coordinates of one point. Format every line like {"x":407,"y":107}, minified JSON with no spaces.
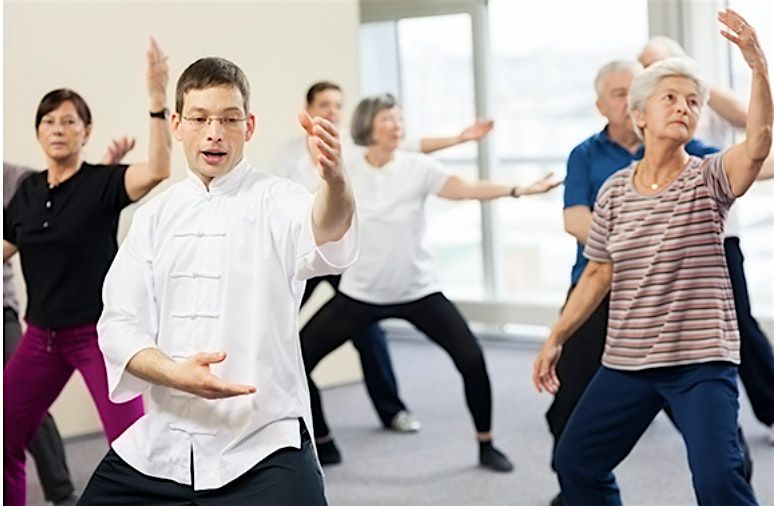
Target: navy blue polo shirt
{"x":590,"y":164}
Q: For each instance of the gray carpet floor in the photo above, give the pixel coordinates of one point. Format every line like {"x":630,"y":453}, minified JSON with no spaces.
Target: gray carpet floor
{"x":437,"y":466}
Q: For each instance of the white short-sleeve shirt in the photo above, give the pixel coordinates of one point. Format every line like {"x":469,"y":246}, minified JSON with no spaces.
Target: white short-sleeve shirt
{"x":217,"y":270}
{"x":395,"y":264}
{"x":294,"y":162}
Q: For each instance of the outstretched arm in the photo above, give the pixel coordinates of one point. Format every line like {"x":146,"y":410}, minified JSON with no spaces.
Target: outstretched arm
{"x":474,"y":132}
{"x":457,"y":188}
{"x":743,"y":161}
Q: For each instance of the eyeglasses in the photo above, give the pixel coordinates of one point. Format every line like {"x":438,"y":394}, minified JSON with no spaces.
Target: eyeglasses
{"x":199,"y":122}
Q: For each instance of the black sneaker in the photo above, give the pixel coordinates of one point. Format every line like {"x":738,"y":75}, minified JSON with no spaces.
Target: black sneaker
{"x":494,"y":459}
{"x":328,"y":453}
{"x":557,"y":501}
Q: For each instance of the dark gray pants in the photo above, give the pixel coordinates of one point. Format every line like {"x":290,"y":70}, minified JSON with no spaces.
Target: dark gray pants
{"x":287,"y":477}
{"x":46,"y":446}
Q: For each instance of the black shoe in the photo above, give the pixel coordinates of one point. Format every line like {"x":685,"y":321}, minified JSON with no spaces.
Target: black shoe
{"x":328,"y":453}
{"x":494,"y":459}
{"x":557,"y":501}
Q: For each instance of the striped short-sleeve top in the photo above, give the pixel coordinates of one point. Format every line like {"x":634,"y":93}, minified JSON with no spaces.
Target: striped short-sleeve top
{"x":671,"y":301}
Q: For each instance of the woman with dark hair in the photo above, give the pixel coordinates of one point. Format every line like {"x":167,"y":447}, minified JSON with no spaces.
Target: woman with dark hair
{"x":63,"y":222}
{"x":393,"y":277}
{"x":656,"y":244}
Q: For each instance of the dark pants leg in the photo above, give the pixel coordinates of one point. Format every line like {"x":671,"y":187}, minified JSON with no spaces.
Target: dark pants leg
{"x":612,"y":414}
{"x":756,"y":369}
{"x":618,"y":406}
{"x":439,"y":319}
{"x":288,"y":477}
{"x":379,"y":377}
{"x":579,"y":362}
{"x":705,"y":405}
{"x":46,"y":446}
{"x":378,"y":374}
{"x":328,"y":329}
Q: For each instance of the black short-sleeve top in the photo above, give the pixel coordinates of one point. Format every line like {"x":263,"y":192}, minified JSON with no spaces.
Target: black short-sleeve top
{"x":66,"y":236}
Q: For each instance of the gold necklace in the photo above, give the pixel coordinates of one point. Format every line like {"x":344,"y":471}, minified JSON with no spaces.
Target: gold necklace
{"x":656,"y":185}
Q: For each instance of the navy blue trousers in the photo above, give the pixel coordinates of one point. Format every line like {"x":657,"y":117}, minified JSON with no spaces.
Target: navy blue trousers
{"x":618,"y":406}
{"x":378,"y":374}
{"x":757,"y":367}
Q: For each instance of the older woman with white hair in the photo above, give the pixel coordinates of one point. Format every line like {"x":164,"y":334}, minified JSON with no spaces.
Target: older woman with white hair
{"x":656,"y":244}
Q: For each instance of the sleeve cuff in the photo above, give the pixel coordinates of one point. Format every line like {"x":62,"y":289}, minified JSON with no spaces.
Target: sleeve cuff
{"x":331,"y":257}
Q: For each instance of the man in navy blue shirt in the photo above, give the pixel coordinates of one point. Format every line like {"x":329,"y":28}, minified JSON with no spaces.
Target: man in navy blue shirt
{"x":590,"y":164}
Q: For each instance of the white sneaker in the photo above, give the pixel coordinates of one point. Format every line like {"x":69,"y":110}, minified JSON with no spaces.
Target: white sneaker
{"x":404,"y":421}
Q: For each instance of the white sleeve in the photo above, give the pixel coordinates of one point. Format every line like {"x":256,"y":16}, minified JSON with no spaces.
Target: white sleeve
{"x":129,"y":321}
{"x":411,"y":144}
{"x":292,"y":223}
{"x":434,"y":173}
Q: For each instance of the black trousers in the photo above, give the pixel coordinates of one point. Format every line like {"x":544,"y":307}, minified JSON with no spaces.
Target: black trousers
{"x":756,"y":368}
{"x":287,"y":477}
{"x":433,"y":315}
{"x":46,"y":446}
{"x":378,"y":374}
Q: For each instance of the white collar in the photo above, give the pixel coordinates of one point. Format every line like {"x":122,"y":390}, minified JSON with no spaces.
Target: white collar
{"x":222,"y":184}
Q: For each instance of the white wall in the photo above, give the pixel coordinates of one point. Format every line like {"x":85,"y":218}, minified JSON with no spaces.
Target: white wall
{"x":98,"y":49}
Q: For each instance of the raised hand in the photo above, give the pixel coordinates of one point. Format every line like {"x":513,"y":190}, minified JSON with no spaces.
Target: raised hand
{"x":157,"y":75}
{"x":477,"y":130}
{"x":117,"y":150}
{"x":743,"y":35}
{"x":324,"y":144}
{"x":542,"y":185}
{"x":194,"y":376}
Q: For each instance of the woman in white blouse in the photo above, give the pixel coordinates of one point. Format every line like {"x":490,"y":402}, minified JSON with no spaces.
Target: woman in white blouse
{"x":394,"y":275}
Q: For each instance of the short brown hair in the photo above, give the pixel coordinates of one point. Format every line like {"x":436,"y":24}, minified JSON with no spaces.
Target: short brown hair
{"x":209,"y":72}
{"x":363,"y":119}
{"x":53,"y":99}
{"x":319,"y":87}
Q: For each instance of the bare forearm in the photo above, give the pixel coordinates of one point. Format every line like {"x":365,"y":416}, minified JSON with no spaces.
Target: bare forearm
{"x":760,"y":116}
{"x":153,"y":365}
{"x":333,"y":211}
{"x":430,"y":144}
{"x":577,"y":222}
{"x":592,"y":288}
{"x":160,"y":146}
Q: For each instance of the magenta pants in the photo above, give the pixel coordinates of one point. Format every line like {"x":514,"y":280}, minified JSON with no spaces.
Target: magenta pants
{"x":32,"y":380}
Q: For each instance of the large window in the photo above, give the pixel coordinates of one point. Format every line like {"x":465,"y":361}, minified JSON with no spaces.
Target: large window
{"x":543,"y":72}
{"x":544,"y":56}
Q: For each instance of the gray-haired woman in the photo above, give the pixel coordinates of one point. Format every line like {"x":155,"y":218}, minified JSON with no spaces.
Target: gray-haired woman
{"x":394,"y":276}
{"x":656,"y":243}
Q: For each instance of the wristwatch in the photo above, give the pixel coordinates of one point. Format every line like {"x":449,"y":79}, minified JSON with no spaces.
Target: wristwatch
{"x":162,"y":114}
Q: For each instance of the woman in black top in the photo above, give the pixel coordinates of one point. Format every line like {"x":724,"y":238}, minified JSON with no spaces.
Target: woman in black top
{"x":63,"y":222}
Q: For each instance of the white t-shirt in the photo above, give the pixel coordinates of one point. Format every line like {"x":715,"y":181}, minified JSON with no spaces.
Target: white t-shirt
{"x":295,"y":163}
{"x":217,"y":270}
{"x":395,"y":264}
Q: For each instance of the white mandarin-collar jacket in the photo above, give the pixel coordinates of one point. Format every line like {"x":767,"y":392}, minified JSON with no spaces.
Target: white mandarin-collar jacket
{"x":217,"y":270}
